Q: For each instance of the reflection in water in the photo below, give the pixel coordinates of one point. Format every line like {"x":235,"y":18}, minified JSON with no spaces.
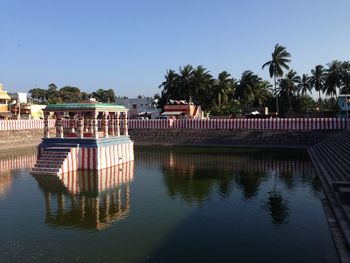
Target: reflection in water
{"x":276,"y":206}
{"x":195,"y":177}
{"x":13,"y":162}
{"x":86,"y":199}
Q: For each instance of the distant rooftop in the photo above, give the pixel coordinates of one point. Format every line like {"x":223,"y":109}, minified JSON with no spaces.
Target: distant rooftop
{"x":90,"y":105}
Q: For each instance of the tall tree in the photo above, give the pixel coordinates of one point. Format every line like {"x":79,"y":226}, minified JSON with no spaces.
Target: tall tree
{"x":317,"y":80}
{"x":333,"y":78}
{"x":288,"y":86}
{"x":247,"y":88}
{"x":201,"y":83}
{"x":185,"y":81}
{"x":70,"y":94}
{"x":224,"y":86}
{"x":304,"y":86}
{"x":279,"y":61}
{"x":170,"y":87}
{"x":345,"y":76}
{"x":106,"y":96}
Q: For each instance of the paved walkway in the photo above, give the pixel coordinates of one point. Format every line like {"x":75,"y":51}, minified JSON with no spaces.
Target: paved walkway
{"x":331,"y":159}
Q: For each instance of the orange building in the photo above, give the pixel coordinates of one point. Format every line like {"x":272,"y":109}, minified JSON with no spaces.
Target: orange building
{"x":181,"y":109}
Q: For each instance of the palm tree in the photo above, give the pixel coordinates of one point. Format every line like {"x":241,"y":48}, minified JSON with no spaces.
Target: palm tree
{"x":278,"y":62}
{"x":304,"y":86}
{"x":185,"y":81}
{"x":262,"y":92}
{"x":345,"y":76}
{"x":333,"y":78}
{"x":247,"y":88}
{"x":201,"y":83}
{"x":317,"y":80}
{"x":288,"y":85}
{"x":224,"y":86}
{"x":170,"y":86}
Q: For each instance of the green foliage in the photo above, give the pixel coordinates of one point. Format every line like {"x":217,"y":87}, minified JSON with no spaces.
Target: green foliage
{"x":70,"y":94}
{"x":233,"y":109}
{"x":103,"y":95}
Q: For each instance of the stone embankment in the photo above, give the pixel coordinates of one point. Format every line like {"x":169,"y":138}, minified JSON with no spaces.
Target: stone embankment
{"x":190,"y":137}
{"x":229,"y":138}
{"x":331,"y":160}
{"x":20,"y":138}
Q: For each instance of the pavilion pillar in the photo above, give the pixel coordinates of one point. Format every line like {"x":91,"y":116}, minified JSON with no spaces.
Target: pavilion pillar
{"x":80,"y":125}
{"x":112,"y":124}
{"x":117,"y":124}
{"x":125,"y":122}
{"x":91,"y":123}
{"x":46,"y":125}
{"x":71,"y":124}
{"x":105,"y":124}
{"x":86,"y":123}
{"x":59,"y":127}
{"x":95,"y":125}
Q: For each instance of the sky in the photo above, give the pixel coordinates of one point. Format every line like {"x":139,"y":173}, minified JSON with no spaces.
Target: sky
{"x":129,"y":45}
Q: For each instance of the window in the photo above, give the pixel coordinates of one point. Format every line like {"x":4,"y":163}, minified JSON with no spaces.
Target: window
{"x":134,"y":106}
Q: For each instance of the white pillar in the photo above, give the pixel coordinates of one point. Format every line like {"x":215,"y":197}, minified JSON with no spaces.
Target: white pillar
{"x":46,"y":125}
{"x":126,"y":132}
{"x":117,"y":124}
{"x":59,"y":128}
{"x":105,"y":124}
{"x":95,"y":125}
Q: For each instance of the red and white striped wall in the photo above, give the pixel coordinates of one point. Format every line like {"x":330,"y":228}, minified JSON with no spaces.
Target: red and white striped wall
{"x":97,"y":158}
{"x":79,"y":181}
{"x":71,"y":162}
{"x":233,"y":124}
{"x":9,"y":125}
{"x":244,"y":124}
{"x":114,"y":155}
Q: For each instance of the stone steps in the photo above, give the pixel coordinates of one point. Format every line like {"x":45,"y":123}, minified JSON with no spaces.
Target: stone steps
{"x":332,"y":163}
{"x":51,"y":160}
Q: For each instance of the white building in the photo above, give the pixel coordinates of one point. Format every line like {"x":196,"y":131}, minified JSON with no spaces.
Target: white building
{"x":142,"y":106}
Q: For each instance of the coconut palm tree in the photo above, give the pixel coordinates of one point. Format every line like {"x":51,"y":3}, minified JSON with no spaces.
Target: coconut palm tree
{"x":333,"y":78}
{"x":201,"y":83}
{"x":304,"y":86}
{"x":223,"y":87}
{"x":345,"y":76}
{"x":170,"y":86}
{"x":247,"y":88}
{"x":288,"y":86}
{"x":317,"y":80}
{"x":185,"y":81}
{"x":279,"y":61}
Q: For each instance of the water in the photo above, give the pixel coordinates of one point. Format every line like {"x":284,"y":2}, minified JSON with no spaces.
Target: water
{"x":170,"y":205}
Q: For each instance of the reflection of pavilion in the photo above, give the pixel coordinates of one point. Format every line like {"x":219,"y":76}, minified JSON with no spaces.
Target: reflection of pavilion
{"x":87,"y":199}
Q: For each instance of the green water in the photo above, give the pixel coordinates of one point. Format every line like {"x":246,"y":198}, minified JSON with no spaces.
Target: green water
{"x":170,"y":205}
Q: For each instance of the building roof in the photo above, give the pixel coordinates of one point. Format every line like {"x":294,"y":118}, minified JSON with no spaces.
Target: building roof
{"x":85,"y":107}
{"x":3,"y":94}
{"x":165,"y":113}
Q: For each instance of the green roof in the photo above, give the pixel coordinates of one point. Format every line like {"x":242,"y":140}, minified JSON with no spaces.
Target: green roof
{"x":85,"y":106}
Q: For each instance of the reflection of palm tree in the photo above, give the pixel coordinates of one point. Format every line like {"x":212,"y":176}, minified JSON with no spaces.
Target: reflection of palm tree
{"x":276,"y":206}
{"x":250,"y":182}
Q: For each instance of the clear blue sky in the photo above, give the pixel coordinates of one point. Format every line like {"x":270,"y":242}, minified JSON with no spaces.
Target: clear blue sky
{"x":129,"y":45}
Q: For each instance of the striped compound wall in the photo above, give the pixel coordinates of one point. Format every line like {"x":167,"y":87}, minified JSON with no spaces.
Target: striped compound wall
{"x":9,"y":125}
{"x":235,"y":124}
{"x":246,"y":124}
